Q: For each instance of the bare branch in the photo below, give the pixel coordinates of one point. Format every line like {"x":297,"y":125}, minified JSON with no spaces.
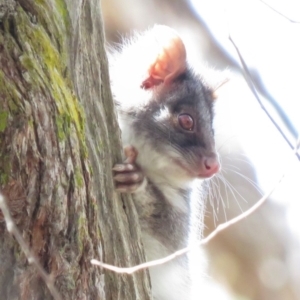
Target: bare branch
{"x":12,"y":228}
{"x":279,"y":13}
{"x":249,"y":81}
{"x":203,"y":242}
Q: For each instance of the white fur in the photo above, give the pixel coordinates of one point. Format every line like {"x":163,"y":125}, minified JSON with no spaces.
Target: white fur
{"x":170,"y":280}
{"x":157,"y":167}
{"x":129,"y":68}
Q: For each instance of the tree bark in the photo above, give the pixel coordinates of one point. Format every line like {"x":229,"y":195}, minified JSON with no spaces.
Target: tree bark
{"x":59,"y":139}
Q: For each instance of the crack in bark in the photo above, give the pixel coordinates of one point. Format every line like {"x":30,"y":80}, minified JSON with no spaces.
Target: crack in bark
{"x":13,"y":31}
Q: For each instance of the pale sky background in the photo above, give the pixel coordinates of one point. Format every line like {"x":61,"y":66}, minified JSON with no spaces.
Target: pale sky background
{"x":270,"y":45}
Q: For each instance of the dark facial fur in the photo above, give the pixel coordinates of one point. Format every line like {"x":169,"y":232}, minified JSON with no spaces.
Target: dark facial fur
{"x":158,"y":122}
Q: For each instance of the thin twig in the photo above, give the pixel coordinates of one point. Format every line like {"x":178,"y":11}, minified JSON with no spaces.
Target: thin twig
{"x":249,"y":81}
{"x":12,"y":228}
{"x":203,"y":242}
{"x":279,"y":13}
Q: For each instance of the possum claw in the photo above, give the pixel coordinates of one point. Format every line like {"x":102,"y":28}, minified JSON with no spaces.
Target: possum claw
{"x":128,"y":177}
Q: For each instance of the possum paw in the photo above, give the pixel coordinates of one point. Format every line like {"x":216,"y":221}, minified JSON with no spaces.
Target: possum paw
{"x":128,"y":177}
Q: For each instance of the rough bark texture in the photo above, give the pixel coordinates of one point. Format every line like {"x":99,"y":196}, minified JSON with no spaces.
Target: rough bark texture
{"x":58,"y":141}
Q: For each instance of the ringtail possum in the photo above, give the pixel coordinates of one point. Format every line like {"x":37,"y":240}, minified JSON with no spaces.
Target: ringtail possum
{"x":165,"y":111}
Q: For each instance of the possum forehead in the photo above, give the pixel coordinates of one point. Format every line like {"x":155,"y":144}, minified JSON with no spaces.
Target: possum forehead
{"x":162,"y":124}
{"x":189,"y":96}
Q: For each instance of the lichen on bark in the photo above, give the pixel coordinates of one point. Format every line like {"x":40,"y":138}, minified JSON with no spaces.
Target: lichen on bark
{"x":58,"y":189}
{"x":39,"y":183}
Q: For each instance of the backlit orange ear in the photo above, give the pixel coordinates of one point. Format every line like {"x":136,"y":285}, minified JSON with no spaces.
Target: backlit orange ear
{"x":170,"y":61}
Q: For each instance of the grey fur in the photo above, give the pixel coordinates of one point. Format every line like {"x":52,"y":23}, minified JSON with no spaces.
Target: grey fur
{"x":170,"y":158}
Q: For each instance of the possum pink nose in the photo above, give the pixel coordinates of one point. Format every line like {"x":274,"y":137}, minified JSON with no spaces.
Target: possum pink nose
{"x":211,"y":166}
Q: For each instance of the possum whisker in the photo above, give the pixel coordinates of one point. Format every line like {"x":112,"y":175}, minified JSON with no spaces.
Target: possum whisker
{"x":233,"y":190}
{"x":247,"y":179}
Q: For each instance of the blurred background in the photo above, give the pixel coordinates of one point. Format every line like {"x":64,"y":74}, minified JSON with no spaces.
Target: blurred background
{"x":259,"y":258}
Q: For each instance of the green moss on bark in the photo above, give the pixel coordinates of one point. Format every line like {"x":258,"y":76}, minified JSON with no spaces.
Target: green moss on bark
{"x":3,"y":120}
{"x":44,"y":58}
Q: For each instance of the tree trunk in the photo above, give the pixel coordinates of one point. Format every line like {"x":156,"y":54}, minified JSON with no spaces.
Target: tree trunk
{"x":58,"y":141}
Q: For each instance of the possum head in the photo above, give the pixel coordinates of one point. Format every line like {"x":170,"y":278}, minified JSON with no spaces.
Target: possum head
{"x":171,"y":121}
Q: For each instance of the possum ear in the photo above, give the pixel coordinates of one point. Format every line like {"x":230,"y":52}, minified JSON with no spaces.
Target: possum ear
{"x":170,"y":61}
{"x":216,"y":91}
{"x":215,"y":81}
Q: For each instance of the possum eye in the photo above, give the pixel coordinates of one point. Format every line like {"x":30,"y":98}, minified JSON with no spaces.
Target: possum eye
{"x":186,"y":121}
